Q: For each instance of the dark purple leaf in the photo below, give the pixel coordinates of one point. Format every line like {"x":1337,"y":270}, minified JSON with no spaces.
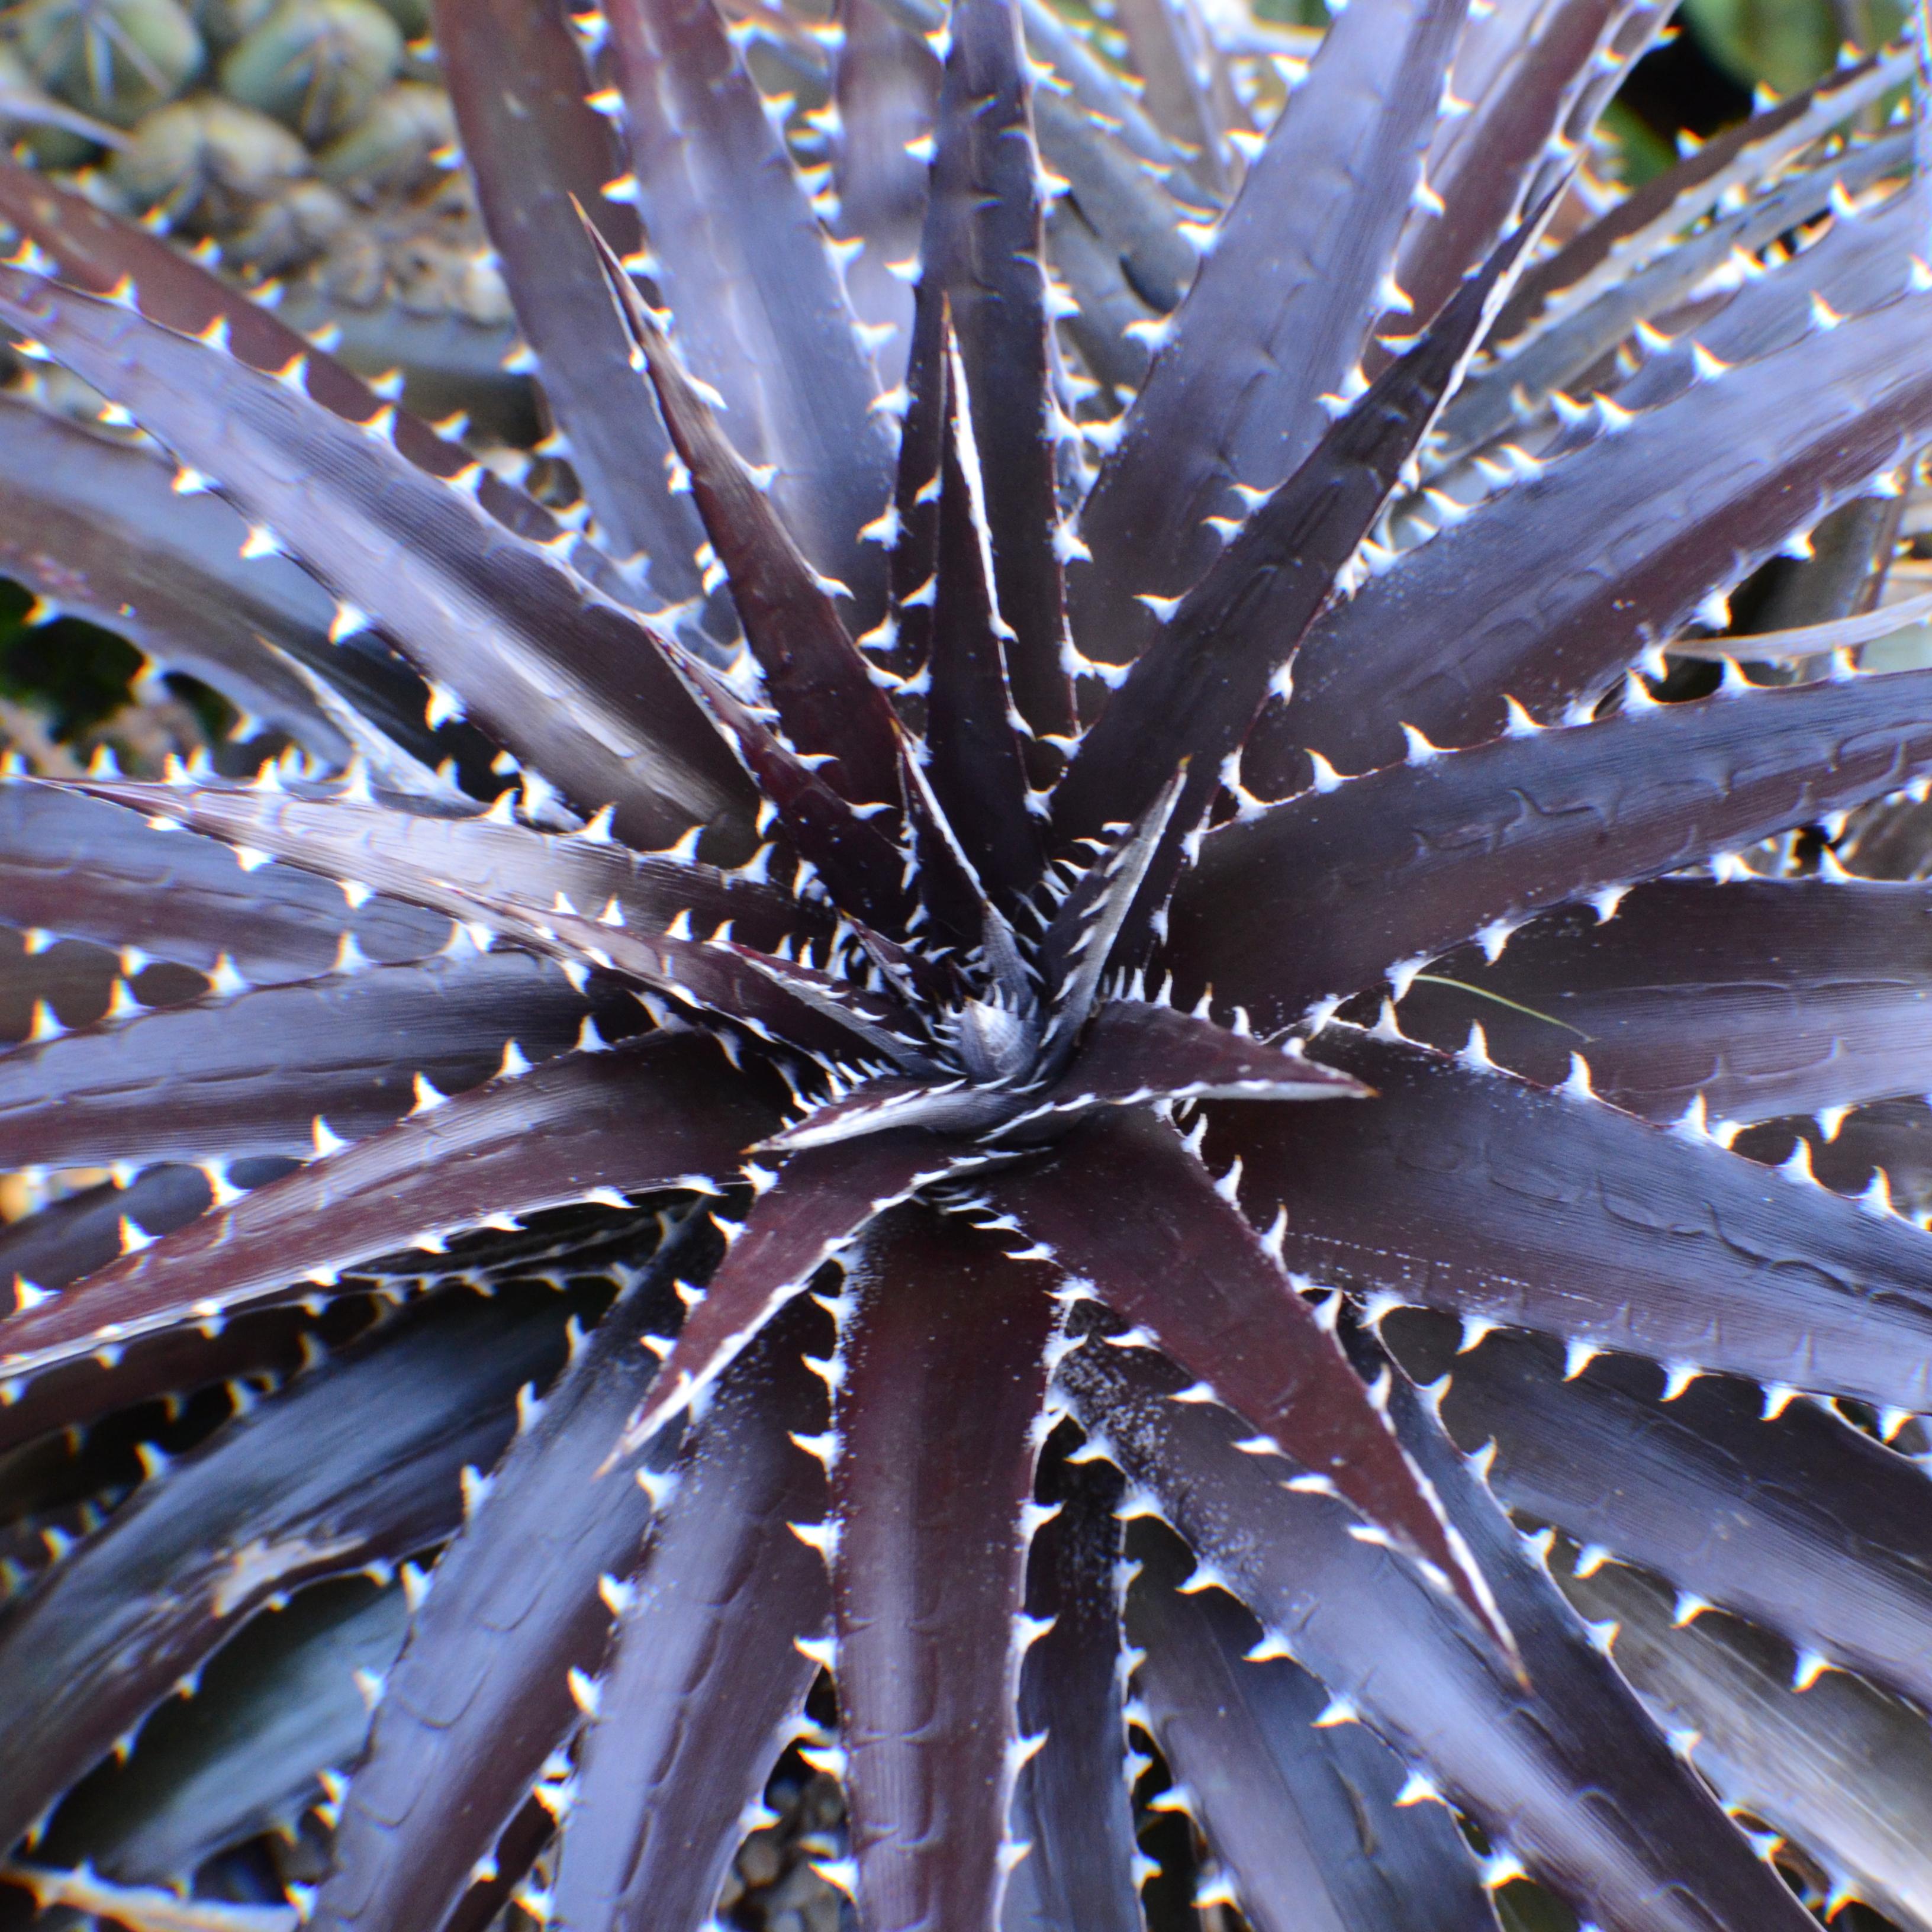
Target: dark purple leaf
{"x":1572,"y":351}
{"x":93,"y":527}
{"x":73,"y":865}
{"x":279,"y":1702}
{"x":448,"y":863}
{"x":96,"y":249}
{"x":1683,"y":190}
{"x":357,"y":1463}
{"x":984,"y":247}
{"x":482,"y":1692}
{"x":827,"y":704}
{"x":1134,"y":1053}
{"x":648,"y":1115}
{"x":1322,"y":895}
{"x":568,"y":680}
{"x":1523,"y":70}
{"x":1072,"y":1804}
{"x":518,"y":83}
{"x":1193,"y":694}
{"x":863,"y":869}
{"x":1467,"y":1190}
{"x":820,"y":1204}
{"x":945,"y":1355}
{"x":248,"y":1075}
{"x":974,"y":753}
{"x":1552,"y":590}
{"x":1841,"y":1768}
{"x":1302,"y":1815}
{"x":1276,"y":321}
{"x":761,"y":311}
{"x":1765,"y":997}
{"x":1805,"y":1525}
{"x":886,"y":82}
{"x":1124,"y":1209}
{"x":705,"y":1681}
{"x":1567,"y":1775}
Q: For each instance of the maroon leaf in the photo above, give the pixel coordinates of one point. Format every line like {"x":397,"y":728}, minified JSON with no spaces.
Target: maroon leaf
{"x":518,"y":83}
{"x":827,"y":702}
{"x":1550,"y":591}
{"x":762,"y":313}
{"x":1321,"y":896}
{"x":705,"y":1680}
{"x":984,"y":246}
{"x":820,"y":1203}
{"x":974,"y":754}
{"x":1194,"y":692}
{"x":444,"y":862}
{"x":1127,"y":1210}
{"x":652,"y":1113}
{"x":1543,"y":1211}
{"x":248,"y":1075}
{"x":71,"y":865}
{"x":1765,"y":997}
{"x":1073,"y":1804}
{"x":481,"y":1694}
{"x":1568,"y":1774}
{"x":1805,"y":1525}
{"x":1302,"y":1815}
{"x":937,"y":1414}
{"x":357,"y":1463}
{"x":1277,"y":319}
{"x":539,"y":657}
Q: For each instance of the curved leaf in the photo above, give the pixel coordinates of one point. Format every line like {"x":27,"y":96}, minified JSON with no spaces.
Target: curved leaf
{"x":1805,"y":1525}
{"x":1765,"y":997}
{"x":482,"y":1693}
{"x":1568,"y":1774}
{"x":73,"y":865}
{"x":451,"y":863}
{"x":518,"y":83}
{"x":1129,"y":1214}
{"x":1276,"y":320}
{"x":656,"y":1113}
{"x":1323,"y":895}
{"x":569,"y":681}
{"x":944,"y":1348}
{"x":247,"y":1076}
{"x":1303,"y":1816}
{"x":824,"y":1201}
{"x":1193,"y":694}
{"x":762,"y":313}
{"x":1073,"y":1804}
{"x":1534,"y":1210}
{"x":705,"y":1679}
{"x":279,"y":1702}
{"x":1549,"y":592}
{"x":1842,"y":1769}
{"x":356,"y":1463}
{"x":827,"y":704}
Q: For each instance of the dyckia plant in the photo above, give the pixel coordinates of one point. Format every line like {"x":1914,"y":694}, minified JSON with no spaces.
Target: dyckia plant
{"x":985,"y":774}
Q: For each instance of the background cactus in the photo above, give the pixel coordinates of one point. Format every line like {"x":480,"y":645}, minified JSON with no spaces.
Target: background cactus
{"x":809,"y":1118}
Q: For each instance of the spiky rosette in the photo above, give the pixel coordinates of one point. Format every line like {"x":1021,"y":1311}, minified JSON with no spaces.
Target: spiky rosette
{"x":888,"y":1005}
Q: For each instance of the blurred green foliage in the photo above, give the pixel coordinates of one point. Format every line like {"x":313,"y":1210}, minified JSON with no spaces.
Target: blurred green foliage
{"x":1788,"y":44}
